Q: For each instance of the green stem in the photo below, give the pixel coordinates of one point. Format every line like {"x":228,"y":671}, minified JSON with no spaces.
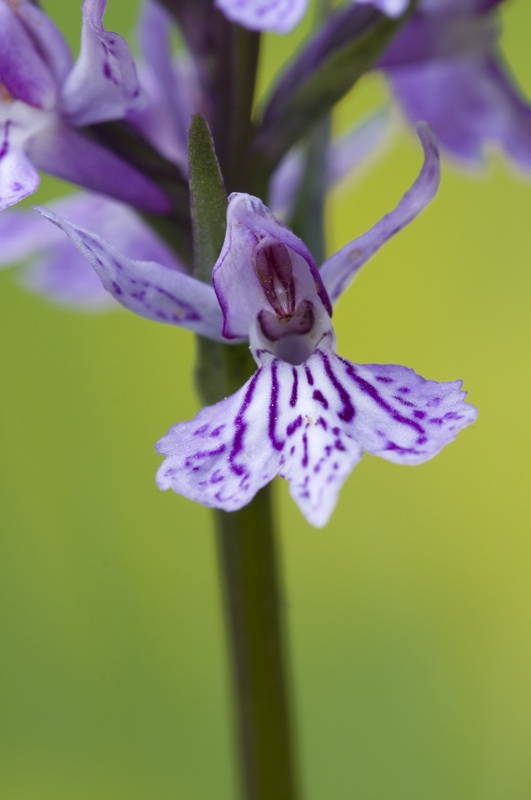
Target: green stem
{"x":254,"y":612}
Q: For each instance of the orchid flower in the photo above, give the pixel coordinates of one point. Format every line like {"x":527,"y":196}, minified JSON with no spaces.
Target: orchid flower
{"x":306,"y":414}
{"x":55,"y":269}
{"x":45,"y":98}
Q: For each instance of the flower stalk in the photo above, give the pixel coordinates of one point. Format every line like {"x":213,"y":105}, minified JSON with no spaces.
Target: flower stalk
{"x":253,"y":604}
{"x":248,"y":560}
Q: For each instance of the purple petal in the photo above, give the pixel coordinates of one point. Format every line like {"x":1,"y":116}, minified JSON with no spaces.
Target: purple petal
{"x":18,"y":178}
{"x":103,"y":83}
{"x":57,"y":269}
{"x":250,"y":226}
{"x":426,"y":37}
{"x":339,"y":270}
{"x":223,"y":456}
{"x":23,"y":233}
{"x":398,"y":415}
{"x":50,"y":41}
{"x":471,"y":103}
{"x":280,"y":16}
{"x":73,"y":156}
{"x":63,"y":276}
{"x":151,"y":290}
{"x":23,"y":71}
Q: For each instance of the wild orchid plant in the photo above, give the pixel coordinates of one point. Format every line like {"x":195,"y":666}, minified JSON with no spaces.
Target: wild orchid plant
{"x":158,"y":143}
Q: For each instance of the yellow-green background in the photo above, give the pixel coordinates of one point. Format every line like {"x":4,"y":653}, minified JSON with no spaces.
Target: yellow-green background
{"x":409,"y":613}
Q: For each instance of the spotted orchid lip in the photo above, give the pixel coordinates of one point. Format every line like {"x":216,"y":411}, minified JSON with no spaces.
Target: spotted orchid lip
{"x":309,"y":424}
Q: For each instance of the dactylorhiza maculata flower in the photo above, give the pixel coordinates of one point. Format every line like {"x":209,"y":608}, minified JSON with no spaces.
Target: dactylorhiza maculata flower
{"x":45,"y":98}
{"x":306,"y":414}
{"x":444,"y":66}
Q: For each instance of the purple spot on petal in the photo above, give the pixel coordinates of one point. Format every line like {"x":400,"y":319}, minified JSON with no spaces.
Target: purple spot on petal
{"x":305,"y":446}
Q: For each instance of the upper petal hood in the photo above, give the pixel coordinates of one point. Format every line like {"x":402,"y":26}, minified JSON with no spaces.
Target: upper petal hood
{"x":251,"y":229}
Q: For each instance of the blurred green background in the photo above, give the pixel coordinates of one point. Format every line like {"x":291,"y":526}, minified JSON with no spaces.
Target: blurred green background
{"x":409,"y":613}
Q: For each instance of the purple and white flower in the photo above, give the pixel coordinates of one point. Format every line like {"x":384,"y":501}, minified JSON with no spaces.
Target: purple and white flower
{"x":306,"y":414}
{"x":45,"y":99}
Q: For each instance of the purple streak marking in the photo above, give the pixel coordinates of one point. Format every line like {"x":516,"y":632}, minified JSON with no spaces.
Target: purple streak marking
{"x":369,"y":389}
{"x":305,"y":445}
{"x":319,"y":396}
{"x":241,"y":426}
{"x":204,"y":454}
{"x":348,"y":411}
{"x":273,"y":409}
{"x":294,"y":388}
{"x":292,"y":427}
